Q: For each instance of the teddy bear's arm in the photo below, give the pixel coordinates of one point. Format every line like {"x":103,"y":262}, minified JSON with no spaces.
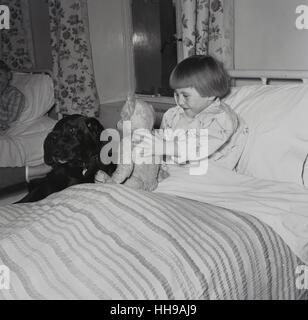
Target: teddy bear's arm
{"x":135,"y":183}
{"x":122,"y":172}
{"x":102,"y":177}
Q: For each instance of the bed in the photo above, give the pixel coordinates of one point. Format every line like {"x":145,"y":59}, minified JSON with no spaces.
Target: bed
{"x":224,"y":235}
{"x":23,"y":143}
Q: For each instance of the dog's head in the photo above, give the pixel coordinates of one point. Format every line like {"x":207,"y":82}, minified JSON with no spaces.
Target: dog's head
{"x":74,"y":140}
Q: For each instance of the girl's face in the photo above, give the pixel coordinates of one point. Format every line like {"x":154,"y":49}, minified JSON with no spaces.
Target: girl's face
{"x":191,"y":102}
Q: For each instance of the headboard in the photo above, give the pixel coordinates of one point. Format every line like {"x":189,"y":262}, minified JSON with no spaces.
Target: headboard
{"x":34,"y":71}
{"x":266,"y":75}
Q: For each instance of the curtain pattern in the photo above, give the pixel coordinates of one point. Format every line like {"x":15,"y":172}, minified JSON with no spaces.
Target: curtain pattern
{"x":208,"y":28}
{"x":16,"y":42}
{"x":75,"y":88}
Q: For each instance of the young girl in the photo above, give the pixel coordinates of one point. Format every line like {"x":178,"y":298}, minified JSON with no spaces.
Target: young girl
{"x":200,"y":82}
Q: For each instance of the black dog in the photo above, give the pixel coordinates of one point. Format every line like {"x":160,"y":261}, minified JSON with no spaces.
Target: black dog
{"x":72,"y":149}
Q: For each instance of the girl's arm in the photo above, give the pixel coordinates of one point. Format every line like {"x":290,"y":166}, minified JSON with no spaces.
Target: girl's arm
{"x":155,"y":144}
{"x":161,"y":142}
{"x":215,"y":131}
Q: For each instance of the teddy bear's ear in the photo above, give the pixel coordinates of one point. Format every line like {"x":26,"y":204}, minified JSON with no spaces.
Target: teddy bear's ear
{"x":120,"y":125}
{"x":128,"y":108}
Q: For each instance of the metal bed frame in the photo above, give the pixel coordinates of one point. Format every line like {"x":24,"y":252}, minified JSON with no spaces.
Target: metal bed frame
{"x":266,"y":75}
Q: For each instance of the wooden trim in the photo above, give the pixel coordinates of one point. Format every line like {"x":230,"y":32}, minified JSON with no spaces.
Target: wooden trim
{"x":156,"y":99}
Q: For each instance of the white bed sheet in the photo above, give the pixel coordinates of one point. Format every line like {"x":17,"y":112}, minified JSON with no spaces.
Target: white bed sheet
{"x":281,"y":205}
{"x":23,"y":144}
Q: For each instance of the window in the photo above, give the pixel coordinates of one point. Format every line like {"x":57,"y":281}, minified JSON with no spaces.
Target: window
{"x":155,"y":44}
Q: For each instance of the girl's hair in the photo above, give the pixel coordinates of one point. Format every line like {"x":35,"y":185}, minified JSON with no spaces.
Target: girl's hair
{"x":4,"y":66}
{"x":204,"y":73}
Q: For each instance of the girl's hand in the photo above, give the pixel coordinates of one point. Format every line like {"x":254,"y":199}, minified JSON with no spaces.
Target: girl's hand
{"x":148,"y":144}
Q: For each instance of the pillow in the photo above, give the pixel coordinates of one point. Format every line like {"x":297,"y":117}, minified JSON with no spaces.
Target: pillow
{"x":277,"y":116}
{"x":39,"y":94}
{"x":23,"y":144}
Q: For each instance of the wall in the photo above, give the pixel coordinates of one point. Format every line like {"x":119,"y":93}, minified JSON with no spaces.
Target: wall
{"x":107,"y":19}
{"x":266,"y":36}
{"x":108,"y":39}
{"x":109,"y":48}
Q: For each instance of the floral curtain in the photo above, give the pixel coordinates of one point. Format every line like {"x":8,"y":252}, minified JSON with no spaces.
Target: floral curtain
{"x":208,"y":28}
{"x":16,"y":45}
{"x":75,"y":87}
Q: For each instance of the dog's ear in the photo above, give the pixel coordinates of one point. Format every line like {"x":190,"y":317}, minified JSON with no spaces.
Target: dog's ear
{"x":48,"y":146}
{"x":95,"y":127}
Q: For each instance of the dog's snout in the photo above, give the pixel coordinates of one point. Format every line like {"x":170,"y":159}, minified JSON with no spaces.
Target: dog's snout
{"x":58,"y":160}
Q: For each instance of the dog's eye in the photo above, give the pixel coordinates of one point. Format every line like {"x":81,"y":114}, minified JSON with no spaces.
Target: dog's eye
{"x":72,"y":130}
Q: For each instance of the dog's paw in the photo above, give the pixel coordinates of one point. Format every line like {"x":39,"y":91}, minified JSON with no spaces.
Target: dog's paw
{"x":102,"y":177}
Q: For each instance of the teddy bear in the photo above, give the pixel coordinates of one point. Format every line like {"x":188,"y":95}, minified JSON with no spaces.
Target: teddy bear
{"x":137,"y":176}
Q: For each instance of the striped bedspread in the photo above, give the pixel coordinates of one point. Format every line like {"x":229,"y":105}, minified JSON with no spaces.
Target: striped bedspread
{"x":112,"y":242}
